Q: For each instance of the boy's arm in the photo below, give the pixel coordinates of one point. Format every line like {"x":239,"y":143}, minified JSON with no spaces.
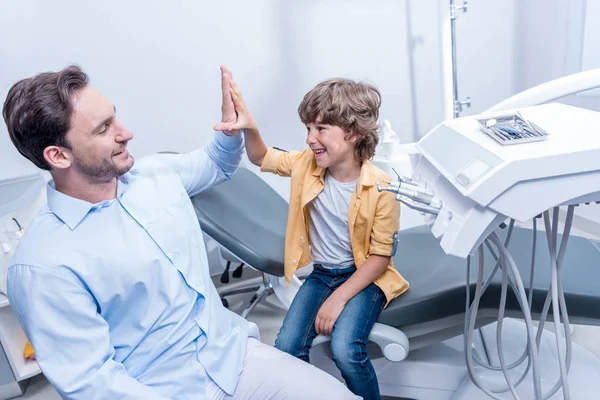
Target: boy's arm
{"x":383,"y":247}
{"x":255,"y":147}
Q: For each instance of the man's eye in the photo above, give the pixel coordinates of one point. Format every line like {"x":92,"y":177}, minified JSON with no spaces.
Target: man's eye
{"x":104,"y":128}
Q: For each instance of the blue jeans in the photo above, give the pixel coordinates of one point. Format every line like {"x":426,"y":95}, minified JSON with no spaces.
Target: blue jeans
{"x":350,"y":332}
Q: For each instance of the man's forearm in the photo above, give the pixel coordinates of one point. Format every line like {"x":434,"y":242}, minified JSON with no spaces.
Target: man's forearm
{"x":255,"y":147}
{"x":368,"y":273}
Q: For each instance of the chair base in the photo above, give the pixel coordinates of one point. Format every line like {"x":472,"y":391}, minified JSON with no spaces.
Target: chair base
{"x":260,"y":290}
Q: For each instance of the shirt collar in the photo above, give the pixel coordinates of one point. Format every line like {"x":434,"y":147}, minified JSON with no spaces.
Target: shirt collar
{"x":71,"y":210}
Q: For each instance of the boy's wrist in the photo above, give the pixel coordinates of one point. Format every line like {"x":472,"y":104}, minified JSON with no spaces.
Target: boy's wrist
{"x":252,"y":128}
{"x":341,"y":295}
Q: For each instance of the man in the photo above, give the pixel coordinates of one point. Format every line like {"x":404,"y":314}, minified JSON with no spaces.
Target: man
{"x":110,"y":281}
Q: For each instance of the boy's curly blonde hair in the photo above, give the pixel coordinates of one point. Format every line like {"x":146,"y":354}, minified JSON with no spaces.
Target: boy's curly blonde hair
{"x":353,"y":106}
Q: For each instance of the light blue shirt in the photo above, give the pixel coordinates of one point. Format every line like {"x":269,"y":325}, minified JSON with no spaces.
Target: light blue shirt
{"x":116,"y":297}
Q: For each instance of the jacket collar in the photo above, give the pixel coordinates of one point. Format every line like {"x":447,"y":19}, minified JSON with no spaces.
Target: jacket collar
{"x":365,"y":179}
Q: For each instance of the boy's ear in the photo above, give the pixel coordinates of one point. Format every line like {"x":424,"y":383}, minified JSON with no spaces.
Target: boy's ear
{"x":352,"y":138}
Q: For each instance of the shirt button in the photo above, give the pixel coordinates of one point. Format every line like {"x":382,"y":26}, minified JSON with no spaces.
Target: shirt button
{"x":295,"y":261}
{"x":149,"y":225}
{"x":315,"y":191}
{"x":174,"y":255}
{"x":302,"y":238}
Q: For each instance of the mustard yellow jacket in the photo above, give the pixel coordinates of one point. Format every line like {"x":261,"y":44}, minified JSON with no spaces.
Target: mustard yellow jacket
{"x":373,"y":216}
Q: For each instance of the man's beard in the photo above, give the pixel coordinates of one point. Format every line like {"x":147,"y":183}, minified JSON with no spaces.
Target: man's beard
{"x":104,"y":171}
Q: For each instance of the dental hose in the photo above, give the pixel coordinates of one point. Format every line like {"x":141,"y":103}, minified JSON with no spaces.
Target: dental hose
{"x":485,"y":285}
{"x":511,"y":276}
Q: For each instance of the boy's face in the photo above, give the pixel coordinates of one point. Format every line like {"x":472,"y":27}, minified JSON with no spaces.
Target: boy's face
{"x":329,"y":144}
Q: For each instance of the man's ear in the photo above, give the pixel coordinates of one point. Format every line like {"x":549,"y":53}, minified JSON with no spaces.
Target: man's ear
{"x":58,"y":157}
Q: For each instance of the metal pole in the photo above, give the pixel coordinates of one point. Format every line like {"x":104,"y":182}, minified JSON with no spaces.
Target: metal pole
{"x":458,"y":105}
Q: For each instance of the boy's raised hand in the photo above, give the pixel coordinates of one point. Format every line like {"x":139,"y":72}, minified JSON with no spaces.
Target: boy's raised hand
{"x":243,"y":119}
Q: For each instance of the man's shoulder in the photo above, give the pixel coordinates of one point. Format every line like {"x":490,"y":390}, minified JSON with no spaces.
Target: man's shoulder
{"x":44,"y":237}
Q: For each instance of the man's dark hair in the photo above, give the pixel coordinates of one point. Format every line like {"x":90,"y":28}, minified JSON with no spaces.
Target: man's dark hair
{"x":38,"y":110}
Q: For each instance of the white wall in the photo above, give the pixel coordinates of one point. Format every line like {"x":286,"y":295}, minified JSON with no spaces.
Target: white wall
{"x":158,"y":61}
{"x":550,"y":44}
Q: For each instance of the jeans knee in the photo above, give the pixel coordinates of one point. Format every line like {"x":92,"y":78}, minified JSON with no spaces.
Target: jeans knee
{"x":291,"y":341}
{"x":348,"y":355}
{"x":285,"y":342}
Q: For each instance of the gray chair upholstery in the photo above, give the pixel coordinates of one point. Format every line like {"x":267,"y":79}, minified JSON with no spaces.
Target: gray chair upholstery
{"x":247,"y":217}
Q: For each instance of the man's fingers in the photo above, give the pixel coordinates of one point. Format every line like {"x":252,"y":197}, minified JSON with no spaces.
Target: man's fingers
{"x":225,"y":80}
{"x":224,"y":127}
{"x":227,"y":71}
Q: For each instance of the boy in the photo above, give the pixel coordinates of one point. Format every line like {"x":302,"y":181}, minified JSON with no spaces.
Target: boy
{"x":339,"y":219}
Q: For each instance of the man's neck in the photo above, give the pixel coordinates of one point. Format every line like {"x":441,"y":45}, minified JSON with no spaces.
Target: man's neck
{"x":82,"y":188}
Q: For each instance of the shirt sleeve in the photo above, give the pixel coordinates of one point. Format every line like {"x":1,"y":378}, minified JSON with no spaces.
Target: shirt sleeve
{"x":384,"y":235}
{"x":279,"y":162}
{"x":207,"y":166}
{"x":71,"y":340}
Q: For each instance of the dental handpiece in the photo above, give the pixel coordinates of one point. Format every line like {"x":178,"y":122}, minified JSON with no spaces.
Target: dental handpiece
{"x":409,"y":190}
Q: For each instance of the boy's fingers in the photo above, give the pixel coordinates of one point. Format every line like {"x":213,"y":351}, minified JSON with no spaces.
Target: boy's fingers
{"x":237,"y":101}
{"x":236,"y":89}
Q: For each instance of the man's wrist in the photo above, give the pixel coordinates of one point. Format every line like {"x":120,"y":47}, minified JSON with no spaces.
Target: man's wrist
{"x":226,"y":133}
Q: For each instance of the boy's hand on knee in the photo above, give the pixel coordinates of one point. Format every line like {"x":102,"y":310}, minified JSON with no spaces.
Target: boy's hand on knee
{"x":328,"y":314}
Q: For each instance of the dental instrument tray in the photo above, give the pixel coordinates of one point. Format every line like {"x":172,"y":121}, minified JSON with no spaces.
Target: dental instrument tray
{"x":512,"y":128}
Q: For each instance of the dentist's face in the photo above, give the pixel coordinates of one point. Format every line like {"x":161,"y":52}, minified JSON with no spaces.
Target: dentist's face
{"x":98,"y":140}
